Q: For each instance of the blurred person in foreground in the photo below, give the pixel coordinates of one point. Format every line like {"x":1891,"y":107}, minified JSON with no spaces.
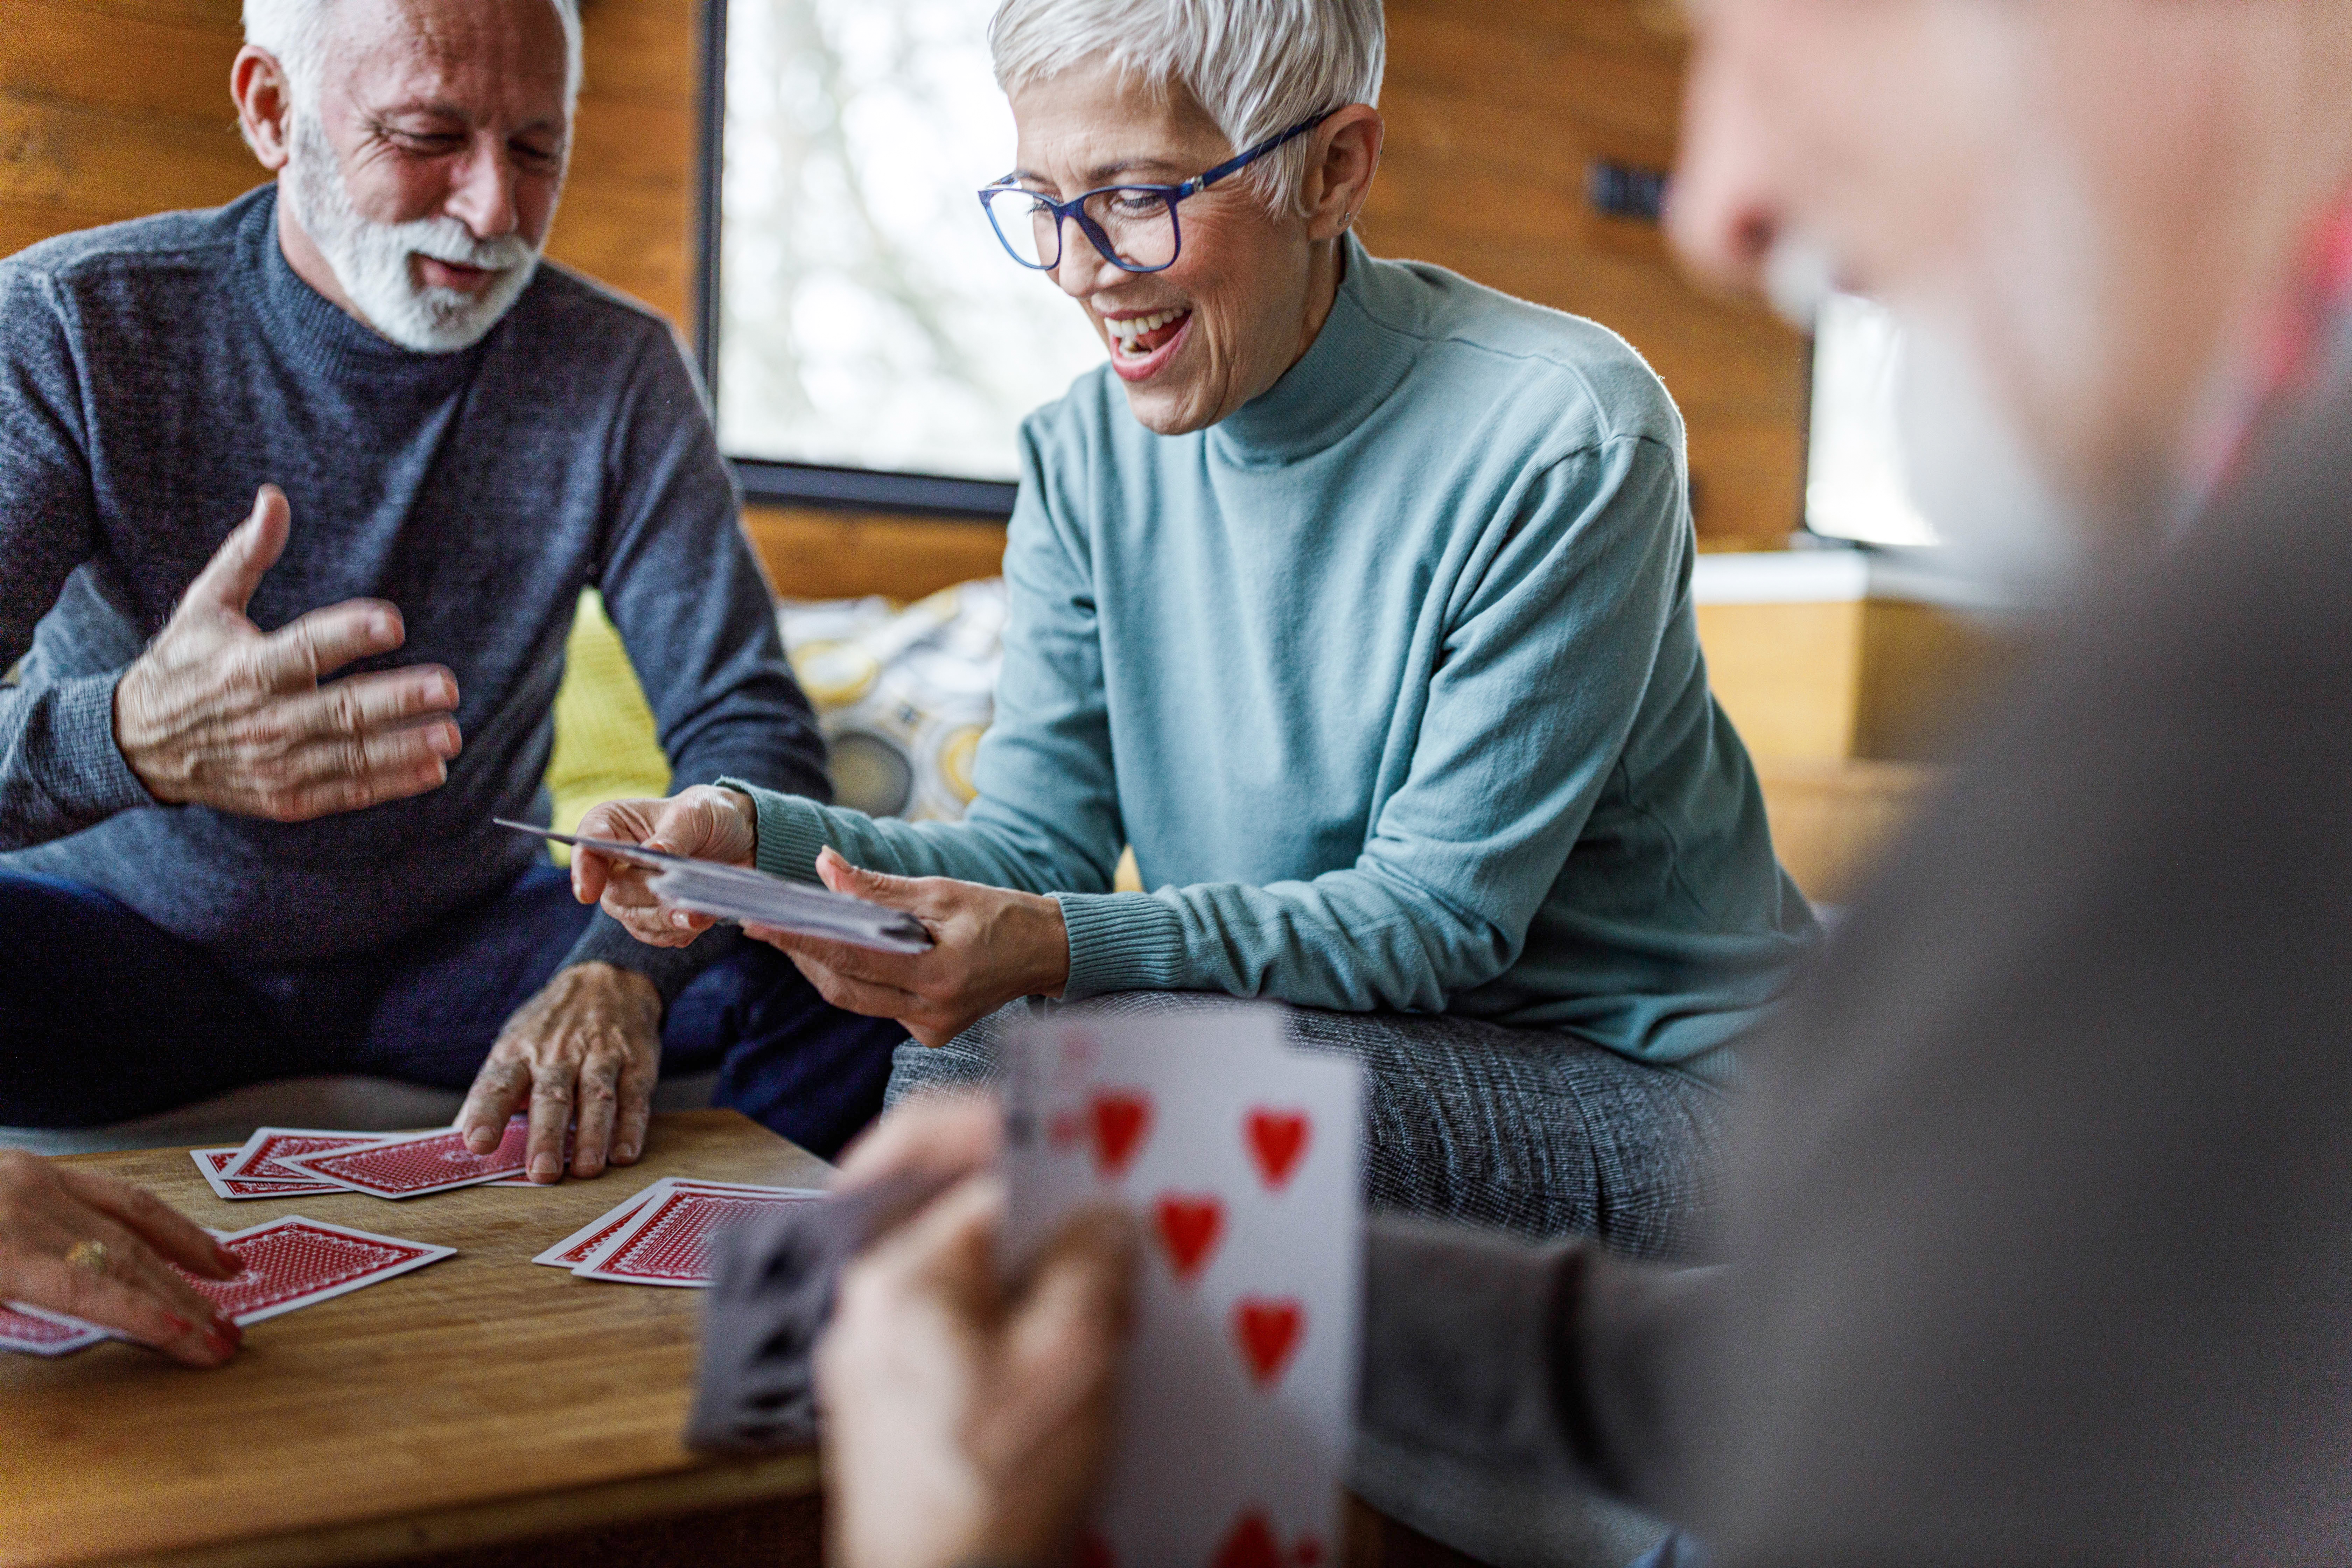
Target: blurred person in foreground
{"x":248,"y":768}
{"x":2042,"y":1248}
{"x":1355,"y":598}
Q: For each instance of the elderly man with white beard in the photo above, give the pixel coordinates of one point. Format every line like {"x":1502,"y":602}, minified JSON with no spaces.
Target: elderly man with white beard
{"x":248,"y":770}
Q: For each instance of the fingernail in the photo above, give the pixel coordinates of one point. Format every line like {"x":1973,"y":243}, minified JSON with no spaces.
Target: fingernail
{"x":220,"y":1344}
{"x":228,"y":1329}
{"x":624,"y":1152}
{"x":180,"y":1326}
{"x":543,"y":1169}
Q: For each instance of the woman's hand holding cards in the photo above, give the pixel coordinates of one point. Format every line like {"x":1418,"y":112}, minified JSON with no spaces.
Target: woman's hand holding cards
{"x":991,"y":946}
{"x":704,"y":822}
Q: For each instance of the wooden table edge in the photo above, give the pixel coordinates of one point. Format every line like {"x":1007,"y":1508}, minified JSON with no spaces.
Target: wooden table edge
{"x":499,"y":1522}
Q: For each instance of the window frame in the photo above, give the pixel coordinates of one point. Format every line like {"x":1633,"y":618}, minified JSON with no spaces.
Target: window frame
{"x":767,"y":481}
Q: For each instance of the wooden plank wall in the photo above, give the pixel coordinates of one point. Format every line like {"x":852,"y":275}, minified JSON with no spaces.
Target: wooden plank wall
{"x":115,"y":109}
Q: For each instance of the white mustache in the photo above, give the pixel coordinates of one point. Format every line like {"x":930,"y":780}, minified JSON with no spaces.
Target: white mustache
{"x":446,"y":239}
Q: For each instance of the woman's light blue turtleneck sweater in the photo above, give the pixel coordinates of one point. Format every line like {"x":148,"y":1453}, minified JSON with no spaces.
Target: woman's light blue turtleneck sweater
{"x":1393,"y":681}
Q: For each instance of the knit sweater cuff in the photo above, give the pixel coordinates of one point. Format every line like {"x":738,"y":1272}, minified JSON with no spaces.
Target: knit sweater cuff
{"x":86,"y":769}
{"x":1122,"y":942}
{"x":792,"y":831}
{"x":671,"y":969}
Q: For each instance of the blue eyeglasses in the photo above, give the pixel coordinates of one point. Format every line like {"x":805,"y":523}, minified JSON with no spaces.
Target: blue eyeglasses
{"x":1134,"y":227}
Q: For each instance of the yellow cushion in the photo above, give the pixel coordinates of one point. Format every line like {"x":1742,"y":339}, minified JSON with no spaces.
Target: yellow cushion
{"x":607,"y":746}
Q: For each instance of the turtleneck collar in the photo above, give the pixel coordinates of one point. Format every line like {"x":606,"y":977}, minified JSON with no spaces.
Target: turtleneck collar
{"x":1352,"y":367}
{"x":314,"y":331}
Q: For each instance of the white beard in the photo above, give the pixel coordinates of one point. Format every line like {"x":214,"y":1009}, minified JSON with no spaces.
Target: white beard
{"x":372,"y":260}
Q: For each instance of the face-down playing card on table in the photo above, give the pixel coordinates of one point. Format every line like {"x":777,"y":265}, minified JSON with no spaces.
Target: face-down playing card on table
{"x":297,"y":1262}
{"x":415,"y":1164}
{"x":584,"y":1243}
{"x":215,"y":1162}
{"x":32,"y":1330}
{"x":668,"y":1238}
{"x":1239,"y":1159}
{"x":257,"y":1159}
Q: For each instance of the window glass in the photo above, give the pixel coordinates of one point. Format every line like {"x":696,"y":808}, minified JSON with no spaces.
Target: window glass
{"x":1855,"y":487}
{"x":867,"y":316}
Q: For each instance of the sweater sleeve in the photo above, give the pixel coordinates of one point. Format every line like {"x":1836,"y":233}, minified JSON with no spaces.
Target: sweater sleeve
{"x":1541,"y":675}
{"x":696,"y":615}
{"x":1046,"y":818}
{"x":60,"y":770}
{"x":1536,"y":1361}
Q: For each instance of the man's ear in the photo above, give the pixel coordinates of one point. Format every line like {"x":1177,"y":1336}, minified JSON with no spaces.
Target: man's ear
{"x":1347,"y":154}
{"x":265,"y":101}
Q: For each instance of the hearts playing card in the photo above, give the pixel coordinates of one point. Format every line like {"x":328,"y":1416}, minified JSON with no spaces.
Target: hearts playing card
{"x":666,"y":1239}
{"x":296,"y":1262}
{"x":1238,"y":1158}
{"x":415,"y":1164}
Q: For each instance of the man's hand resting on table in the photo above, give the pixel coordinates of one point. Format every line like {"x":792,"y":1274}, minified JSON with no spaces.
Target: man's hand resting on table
{"x":964,"y":1421}
{"x":589,"y":1043}
{"x":94,"y":1249}
{"x":993,"y":945}
{"x":218,"y":713}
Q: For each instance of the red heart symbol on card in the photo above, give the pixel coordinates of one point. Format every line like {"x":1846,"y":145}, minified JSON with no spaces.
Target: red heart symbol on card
{"x":1190,"y":1228}
{"x":1120,"y":1120}
{"x":1277,"y":1141}
{"x":1269,"y":1331}
{"x":1252,"y":1543}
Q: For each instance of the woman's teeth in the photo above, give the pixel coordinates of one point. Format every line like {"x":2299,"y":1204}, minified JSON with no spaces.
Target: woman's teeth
{"x":1141,"y":335}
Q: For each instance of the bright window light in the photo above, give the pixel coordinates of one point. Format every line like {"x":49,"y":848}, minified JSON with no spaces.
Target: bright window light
{"x":1855,"y":487}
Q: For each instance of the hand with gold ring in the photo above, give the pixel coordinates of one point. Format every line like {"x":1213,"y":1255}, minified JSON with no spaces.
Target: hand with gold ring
{"x":95,"y":1249}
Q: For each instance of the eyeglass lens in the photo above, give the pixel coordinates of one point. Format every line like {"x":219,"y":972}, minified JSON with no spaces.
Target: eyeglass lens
{"x":1139,"y":225}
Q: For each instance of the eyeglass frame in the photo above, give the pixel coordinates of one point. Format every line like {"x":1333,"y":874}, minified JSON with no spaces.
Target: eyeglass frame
{"x":1074,"y":210}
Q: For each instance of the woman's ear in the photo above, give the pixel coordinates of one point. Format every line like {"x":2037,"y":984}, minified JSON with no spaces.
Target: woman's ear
{"x":264,"y":100}
{"x":1340,"y":180}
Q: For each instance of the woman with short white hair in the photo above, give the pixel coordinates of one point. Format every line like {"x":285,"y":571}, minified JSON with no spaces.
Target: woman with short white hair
{"x":1355,"y":597}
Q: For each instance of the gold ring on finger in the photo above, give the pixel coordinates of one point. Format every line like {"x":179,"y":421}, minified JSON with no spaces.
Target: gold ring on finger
{"x":88,"y":1254}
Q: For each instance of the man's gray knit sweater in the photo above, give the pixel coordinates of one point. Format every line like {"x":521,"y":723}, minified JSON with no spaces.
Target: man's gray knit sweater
{"x":154,"y":375}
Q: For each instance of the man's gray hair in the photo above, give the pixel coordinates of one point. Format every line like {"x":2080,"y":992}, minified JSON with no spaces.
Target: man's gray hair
{"x":1257,"y":67}
{"x":299,"y":32}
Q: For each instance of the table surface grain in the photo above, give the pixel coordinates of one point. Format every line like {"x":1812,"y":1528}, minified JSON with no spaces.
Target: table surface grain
{"x":480,"y":1399}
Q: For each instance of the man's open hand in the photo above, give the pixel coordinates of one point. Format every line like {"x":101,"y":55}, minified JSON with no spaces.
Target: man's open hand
{"x":218,"y":713}
{"x":589,"y":1043}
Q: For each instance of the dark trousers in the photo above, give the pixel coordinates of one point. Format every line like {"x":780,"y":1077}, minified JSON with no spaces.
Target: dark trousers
{"x":105,"y":1017}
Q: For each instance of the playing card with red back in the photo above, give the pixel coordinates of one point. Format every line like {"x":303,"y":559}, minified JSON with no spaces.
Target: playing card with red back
{"x":297,"y":1262}
{"x":666,"y":1239}
{"x":213,"y":1163}
{"x":257,"y":1159}
{"x":1238,"y":1158}
{"x":416,"y":1163}
{"x":32,"y":1331}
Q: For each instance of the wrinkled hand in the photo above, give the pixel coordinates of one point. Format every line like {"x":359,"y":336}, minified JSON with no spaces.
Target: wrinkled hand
{"x":993,"y":946}
{"x":218,"y":713}
{"x":590,"y":1042}
{"x":961,"y":1424}
{"x":46,"y":1209}
{"x":704,"y":822}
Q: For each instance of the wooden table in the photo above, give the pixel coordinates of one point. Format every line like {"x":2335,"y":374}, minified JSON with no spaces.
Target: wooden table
{"x":481,"y":1405}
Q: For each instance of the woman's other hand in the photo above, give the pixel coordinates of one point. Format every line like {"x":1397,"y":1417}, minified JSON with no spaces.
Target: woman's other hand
{"x":991,"y":946}
{"x":95,"y":1249}
{"x":704,"y":823}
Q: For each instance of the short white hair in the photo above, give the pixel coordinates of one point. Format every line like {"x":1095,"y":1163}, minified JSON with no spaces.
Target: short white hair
{"x":298,"y":31}
{"x":1256,"y":67}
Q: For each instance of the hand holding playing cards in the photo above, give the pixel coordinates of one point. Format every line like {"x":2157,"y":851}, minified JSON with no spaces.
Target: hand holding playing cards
{"x":95,"y":1249}
{"x":993,"y":946}
{"x":587,"y":1047}
{"x":964,"y":1424}
{"x":218,"y":713}
{"x":704,"y":822}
